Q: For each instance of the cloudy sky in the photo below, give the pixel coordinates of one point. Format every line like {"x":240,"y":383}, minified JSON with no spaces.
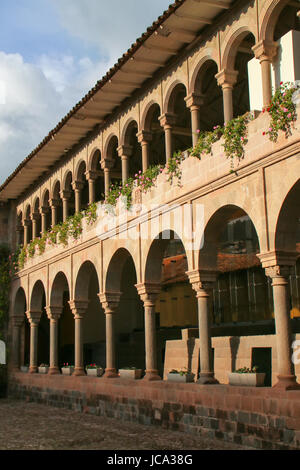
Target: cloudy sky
{"x":51,"y":53}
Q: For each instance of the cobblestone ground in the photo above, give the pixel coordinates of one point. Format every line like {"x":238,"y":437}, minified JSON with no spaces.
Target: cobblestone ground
{"x":30,"y":426}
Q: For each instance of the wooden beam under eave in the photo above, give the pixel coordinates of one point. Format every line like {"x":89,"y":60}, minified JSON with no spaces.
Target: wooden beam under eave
{"x":194,"y":18}
{"x":154,"y":47}
{"x":214,"y":3}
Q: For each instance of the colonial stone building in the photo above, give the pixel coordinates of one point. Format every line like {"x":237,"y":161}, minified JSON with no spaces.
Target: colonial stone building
{"x":202,"y":275}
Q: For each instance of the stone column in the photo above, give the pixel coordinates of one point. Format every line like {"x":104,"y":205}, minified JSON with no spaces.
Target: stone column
{"x":110,"y":302}
{"x":65,"y":196}
{"x":26,"y":224}
{"x":125,"y":152}
{"x":78,"y":308}
{"x":20,"y":239}
{"x":167,"y":121}
{"x":35,"y":217}
{"x":54,"y":313}
{"x":227,"y":79}
{"x":280,"y":284}
{"x":34,"y":320}
{"x":144,"y":138}
{"x":77,"y":187}
{"x":202,"y":283}
{"x":16,"y":325}
{"x":265,"y":52}
{"x":106,"y":166}
{"x":44,"y":211}
{"x":149,"y":293}
{"x":91,"y":177}
{"x":54,"y":203}
{"x":194,"y":102}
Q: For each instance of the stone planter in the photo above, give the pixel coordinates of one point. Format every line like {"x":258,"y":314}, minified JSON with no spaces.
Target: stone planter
{"x":67,"y":370}
{"x":181,"y":378}
{"x":95,"y":372}
{"x":132,"y":374}
{"x":43,"y":369}
{"x":256,"y":379}
{"x":24,"y":369}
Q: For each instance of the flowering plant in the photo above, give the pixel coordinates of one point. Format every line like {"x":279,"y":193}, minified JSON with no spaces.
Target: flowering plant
{"x":93,"y":366}
{"x":235,"y":137}
{"x":282,"y":111}
{"x":246,"y":370}
{"x":180,"y":372}
{"x":173,"y":167}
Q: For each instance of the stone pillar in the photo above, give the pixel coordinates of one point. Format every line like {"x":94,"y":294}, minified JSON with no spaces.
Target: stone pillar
{"x":110,"y":302}
{"x":194,"y":102}
{"x":44,"y":211}
{"x":280,"y":284}
{"x":34,"y":320}
{"x":54,"y":203}
{"x":78,"y":308}
{"x":167,"y":121}
{"x":144,"y":138}
{"x":65,"y":196}
{"x":20,"y":239}
{"x":26,"y":224}
{"x":149,"y":293}
{"x":35,"y":218}
{"x":202,"y":283}
{"x":106,"y":166}
{"x":125,"y":152}
{"x":54,"y":313}
{"x":91,"y":177}
{"x":16,"y":325}
{"x":77,"y":187}
{"x":227,"y":79}
{"x":265,"y":51}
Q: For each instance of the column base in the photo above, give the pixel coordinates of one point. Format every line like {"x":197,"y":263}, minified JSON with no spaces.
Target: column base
{"x":286,"y":382}
{"x":152,"y":375}
{"x":207,"y":379}
{"x":33,"y":370}
{"x":79,"y":371}
{"x":110,"y":374}
{"x":54,"y":371}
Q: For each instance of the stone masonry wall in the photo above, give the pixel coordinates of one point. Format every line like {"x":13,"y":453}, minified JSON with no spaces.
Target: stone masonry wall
{"x":261,"y":418}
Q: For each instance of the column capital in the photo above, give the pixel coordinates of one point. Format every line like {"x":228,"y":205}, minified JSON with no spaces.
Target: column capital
{"x":167,"y":120}
{"x":65,"y":194}
{"x":194,"y":100}
{"x":202,"y":280}
{"x":277,"y":258}
{"x":278,"y":273}
{"x":44,"y":209}
{"x":77,"y":185}
{"x":92,"y":175}
{"x":144,"y":136}
{"x":54,"y":203}
{"x":148,"y":292}
{"x":33,"y":316}
{"x":35,"y":216}
{"x":78,"y":307}
{"x":107,"y":164}
{"x":110,"y":301}
{"x":125,"y":150}
{"x":227,"y":78}
{"x":26,"y":222}
{"x":53,"y":313}
{"x":265,"y":50}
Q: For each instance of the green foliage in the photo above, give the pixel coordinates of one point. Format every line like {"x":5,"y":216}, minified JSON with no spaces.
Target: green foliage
{"x":235,"y":137}
{"x":91,"y":213}
{"x":282,"y":111}
{"x":246,"y":370}
{"x":173,"y":168}
{"x":147,"y":180}
{"x":5,"y":260}
{"x":205,"y":141}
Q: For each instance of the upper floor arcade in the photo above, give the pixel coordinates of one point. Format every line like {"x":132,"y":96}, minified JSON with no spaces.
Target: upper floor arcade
{"x":195,"y":69}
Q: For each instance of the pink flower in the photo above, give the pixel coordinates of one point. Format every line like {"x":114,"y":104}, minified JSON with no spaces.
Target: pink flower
{"x":289,"y":115}
{"x":198,"y":131}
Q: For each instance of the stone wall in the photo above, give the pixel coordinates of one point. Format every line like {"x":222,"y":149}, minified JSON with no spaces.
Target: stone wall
{"x":261,"y":418}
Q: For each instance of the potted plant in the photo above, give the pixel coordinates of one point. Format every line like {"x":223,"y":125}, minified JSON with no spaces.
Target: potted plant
{"x":24,"y":368}
{"x":247,"y":377}
{"x":67,"y":369}
{"x":182,"y":376}
{"x":94,"y":370}
{"x":130,"y":373}
{"x":43,"y":369}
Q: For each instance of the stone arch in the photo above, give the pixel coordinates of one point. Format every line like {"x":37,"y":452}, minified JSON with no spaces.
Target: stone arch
{"x":45,"y":198}
{"x":232,"y":44}
{"x":199,"y":71}
{"x":56,"y":190}
{"x":169,"y":101}
{"x":27,"y":212}
{"x":67,"y":180}
{"x":125,"y":132}
{"x":269,"y":16}
{"x":80,"y":170}
{"x":147,"y":115}
{"x":85,"y":272}
{"x":112,"y":141}
{"x":115,"y":268}
{"x":59,"y":286}
{"x":20,"y":303}
{"x":36,"y":204}
{"x":288,"y":221}
{"x":37,"y":296}
{"x":94,"y":160}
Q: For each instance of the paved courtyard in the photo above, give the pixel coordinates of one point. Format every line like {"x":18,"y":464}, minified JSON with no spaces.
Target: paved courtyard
{"x":30,"y":426}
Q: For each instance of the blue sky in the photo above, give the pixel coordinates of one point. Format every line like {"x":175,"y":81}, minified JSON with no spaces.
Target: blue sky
{"x":51,"y":53}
